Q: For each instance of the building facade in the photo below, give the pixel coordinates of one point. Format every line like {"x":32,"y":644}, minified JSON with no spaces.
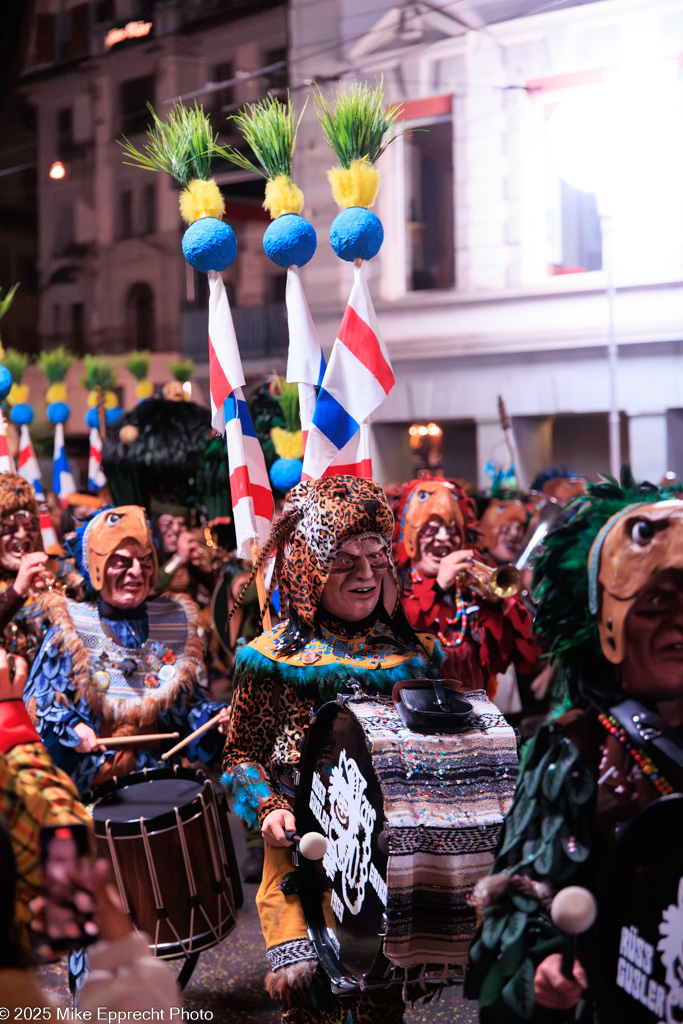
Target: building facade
{"x":493,"y":279}
{"x":111,"y":273}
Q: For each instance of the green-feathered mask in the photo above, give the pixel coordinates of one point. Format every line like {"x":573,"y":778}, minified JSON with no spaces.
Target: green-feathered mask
{"x":564,"y":620}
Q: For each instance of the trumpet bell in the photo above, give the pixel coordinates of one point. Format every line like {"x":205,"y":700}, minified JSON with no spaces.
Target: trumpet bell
{"x":501,"y":582}
{"x":505,"y":581}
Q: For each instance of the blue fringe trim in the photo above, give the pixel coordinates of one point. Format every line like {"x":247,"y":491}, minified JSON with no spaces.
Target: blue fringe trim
{"x":324,"y":682}
{"x":247,"y":796}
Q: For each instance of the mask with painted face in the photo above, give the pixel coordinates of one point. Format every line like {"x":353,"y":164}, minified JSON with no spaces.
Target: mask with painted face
{"x":632,"y":549}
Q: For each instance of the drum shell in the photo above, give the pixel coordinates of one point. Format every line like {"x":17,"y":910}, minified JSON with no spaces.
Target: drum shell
{"x":633,"y":955}
{"x":439,"y":838}
{"x":176,"y":871}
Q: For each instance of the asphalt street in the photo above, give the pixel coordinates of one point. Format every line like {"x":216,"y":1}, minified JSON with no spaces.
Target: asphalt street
{"x":228,"y":979}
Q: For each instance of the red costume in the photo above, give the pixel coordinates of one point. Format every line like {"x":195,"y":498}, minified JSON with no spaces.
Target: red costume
{"x":481,"y":637}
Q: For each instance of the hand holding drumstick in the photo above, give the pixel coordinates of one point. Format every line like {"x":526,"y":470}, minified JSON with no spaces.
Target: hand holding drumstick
{"x":220,"y":721}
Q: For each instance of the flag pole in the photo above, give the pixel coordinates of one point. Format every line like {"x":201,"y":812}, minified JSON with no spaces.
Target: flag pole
{"x":260,"y":585}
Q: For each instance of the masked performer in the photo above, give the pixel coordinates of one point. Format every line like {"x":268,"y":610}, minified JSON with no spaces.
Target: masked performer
{"x":501,"y":528}
{"x":345,"y":627}
{"x":117,"y":665}
{"x":434,"y":539}
{"x":611,"y":610}
{"x":560,"y":484}
{"x":22,"y":561}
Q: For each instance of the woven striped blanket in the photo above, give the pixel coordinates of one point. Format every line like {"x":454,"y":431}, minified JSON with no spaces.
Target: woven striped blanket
{"x":445,"y":797}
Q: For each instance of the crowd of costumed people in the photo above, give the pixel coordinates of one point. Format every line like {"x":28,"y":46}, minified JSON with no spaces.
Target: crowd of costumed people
{"x":445,"y":725}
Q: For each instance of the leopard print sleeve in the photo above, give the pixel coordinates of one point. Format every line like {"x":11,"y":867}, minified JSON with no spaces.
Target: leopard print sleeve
{"x":248,"y":750}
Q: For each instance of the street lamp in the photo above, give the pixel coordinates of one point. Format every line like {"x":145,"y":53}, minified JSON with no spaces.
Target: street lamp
{"x":583,"y":143}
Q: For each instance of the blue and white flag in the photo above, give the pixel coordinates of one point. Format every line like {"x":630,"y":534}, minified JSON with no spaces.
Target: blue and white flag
{"x":356,"y":382}
{"x":63,"y":482}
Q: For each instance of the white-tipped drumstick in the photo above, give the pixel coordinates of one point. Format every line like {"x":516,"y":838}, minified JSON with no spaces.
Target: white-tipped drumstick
{"x":311,"y":845}
{"x":573,"y":911}
{"x":193,"y":736}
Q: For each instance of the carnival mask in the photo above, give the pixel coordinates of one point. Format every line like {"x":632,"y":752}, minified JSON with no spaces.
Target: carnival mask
{"x":19,"y":536}
{"x":636,"y":545}
{"x":502,"y":528}
{"x":107,"y":532}
{"x":430,"y":500}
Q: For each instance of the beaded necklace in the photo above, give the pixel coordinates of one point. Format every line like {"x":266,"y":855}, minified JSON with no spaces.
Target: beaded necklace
{"x":457,"y":624}
{"x":645,"y":762}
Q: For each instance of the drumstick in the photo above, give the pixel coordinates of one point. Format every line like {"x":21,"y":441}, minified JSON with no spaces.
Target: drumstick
{"x":124,"y":741}
{"x":193,"y":735}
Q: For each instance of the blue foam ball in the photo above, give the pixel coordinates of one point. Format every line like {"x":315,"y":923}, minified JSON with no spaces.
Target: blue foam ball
{"x":92,"y":418}
{"x":356,"y":234}
{"x":209,"y":244}
{"x":290,"y":240}
{"x":112,"y":415}
{"x":21,"y":414}
{"x":58,"y":412}
{"x":5,"y":382}
{"x":286,"y":473}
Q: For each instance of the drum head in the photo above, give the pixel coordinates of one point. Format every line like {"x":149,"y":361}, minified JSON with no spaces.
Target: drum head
{"x":151,"y":795}
{"x":640,"y":928}
{"x":344,"y":895}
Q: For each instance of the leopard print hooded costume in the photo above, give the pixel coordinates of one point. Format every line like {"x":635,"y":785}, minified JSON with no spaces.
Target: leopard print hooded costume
{"x":291,"y":671}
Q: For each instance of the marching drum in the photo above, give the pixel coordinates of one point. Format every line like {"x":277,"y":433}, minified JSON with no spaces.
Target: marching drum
{"x":412,"y":821}
{"x":165,"y":832}
{"x":637,"y":974}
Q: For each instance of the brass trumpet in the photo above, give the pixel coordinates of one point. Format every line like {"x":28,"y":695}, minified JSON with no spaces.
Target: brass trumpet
{"x":501,"y":582}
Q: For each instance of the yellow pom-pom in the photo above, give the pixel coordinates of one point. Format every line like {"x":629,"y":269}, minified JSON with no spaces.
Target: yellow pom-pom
{"x":288,"y":445}
{"x":56,"y":393}
{"x":356,"y":185}
{"x":18,"y":394}
{"x":201,"y":199}
{"x":282,"y":196}
{"x":144,"y":389}
{"x":92,"y":399}
{"x":110,"y":400}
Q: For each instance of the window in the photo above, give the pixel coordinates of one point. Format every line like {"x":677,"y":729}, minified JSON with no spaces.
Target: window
{"x":79,"y":31}
{"x":104,"y":11}
{"x":65,"y":125}
{"x":134,"y":95}
{"x":126,"y":213}
{"x":277,"y":79}
{"x":78,"y":328}
{"x":224,"y":97}
{"x":45,"y":38}
{"x":429,"y":207}
{"x":149,"y":210}
{"x":140,"y":316}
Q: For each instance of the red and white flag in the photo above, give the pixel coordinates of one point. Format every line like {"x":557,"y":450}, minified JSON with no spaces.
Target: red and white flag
{"x":357,"y":380}
{"x":96,"y":478}
{"x":29,"y":469}
{"x":306,"y":366}
{"x":250,"y":490}
{"x":225,"y":365}
{"x":6,"y":461}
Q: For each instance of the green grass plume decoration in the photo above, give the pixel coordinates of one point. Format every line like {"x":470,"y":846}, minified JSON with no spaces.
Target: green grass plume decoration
{"x":181,"y":369}
{"x":358,"y":128}
{"x":138,"y":364}
{"x":270,"y":127}
{"x":183,"y":146}
{"x":16,"y":362}
{"x":98,"y":374}
{"x":55,"y":364}
{"x":6,"y":300}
